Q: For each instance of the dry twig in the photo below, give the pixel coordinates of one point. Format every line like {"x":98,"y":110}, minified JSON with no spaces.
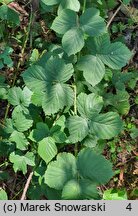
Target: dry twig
{"x":112,"y":18}
{"x":23,"y":197}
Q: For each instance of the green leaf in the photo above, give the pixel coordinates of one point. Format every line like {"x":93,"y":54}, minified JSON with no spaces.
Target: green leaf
{"x":78,"y":128}
{"x":115,"y":194}
{"x":120,"y":101}
{"x":82,"y":189}
{"x":88,"y":189}
{"x":91,"y":22}
{"x":94,"y":167}
{"x":62,"y":170}
{"x":71,"y":190}
{"x":3,"y":88}
{"x":3,"y":194}
{"x":90,"y":141}
{"x":73,"y":41}
{"x":20,"y":162}
{"x":20,"y":140}
{"x":88,"y":105}
{"x":47,"y":149}
{"x":21,"y":121}
{"x":61,"y":122}
{"x":58,"y":135}
{"x":134,"y":133}
{"x":9,"y":127}
{"x":41,"y":132}
{"x":54,"y":71}
{"x":106,"y":126}
{"x":50,"y":79}
{"x":66,"y":20}
{"x":115,"y":55}
{"x":52,"y":2}
{"x":6,"y":13}
{"x":93,"y":69}
{"x":6,"y":147}
{"x":56,"y":98}
{"x":17,"y":96}
{"x":70,"y":4}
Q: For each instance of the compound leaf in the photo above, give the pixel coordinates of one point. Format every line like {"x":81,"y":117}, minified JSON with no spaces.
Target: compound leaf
{"x":115,"y":55}
{"x":20,"y":162}
{"x":17,"y":96}
{"x":50,"y":79}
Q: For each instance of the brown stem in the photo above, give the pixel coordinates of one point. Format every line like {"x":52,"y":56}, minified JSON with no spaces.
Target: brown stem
{"x":23,"y":197}
{"x":112,"y":18}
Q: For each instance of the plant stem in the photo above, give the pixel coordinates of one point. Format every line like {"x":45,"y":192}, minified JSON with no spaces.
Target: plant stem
{"x":19,"y":62}
{"x":75,"y":100}
{"x":75,"y":113}
{"x":84,"y":6}
{"x":23,"y":197}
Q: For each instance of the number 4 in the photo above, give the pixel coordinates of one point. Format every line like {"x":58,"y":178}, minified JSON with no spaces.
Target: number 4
{"x":129,"y":207}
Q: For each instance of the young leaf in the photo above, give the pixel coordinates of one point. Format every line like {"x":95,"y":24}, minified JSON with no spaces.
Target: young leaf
{"x":93,"y":69}
{"x":47,"y":149}
{"x":62,"y":170}
{"x":88,"y":105}
{"x":106,"y":126}
{"x":94,"y":167}
{"x":20,"y":140}
{"x":20,"y":162}
{"x":78,"y":128}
